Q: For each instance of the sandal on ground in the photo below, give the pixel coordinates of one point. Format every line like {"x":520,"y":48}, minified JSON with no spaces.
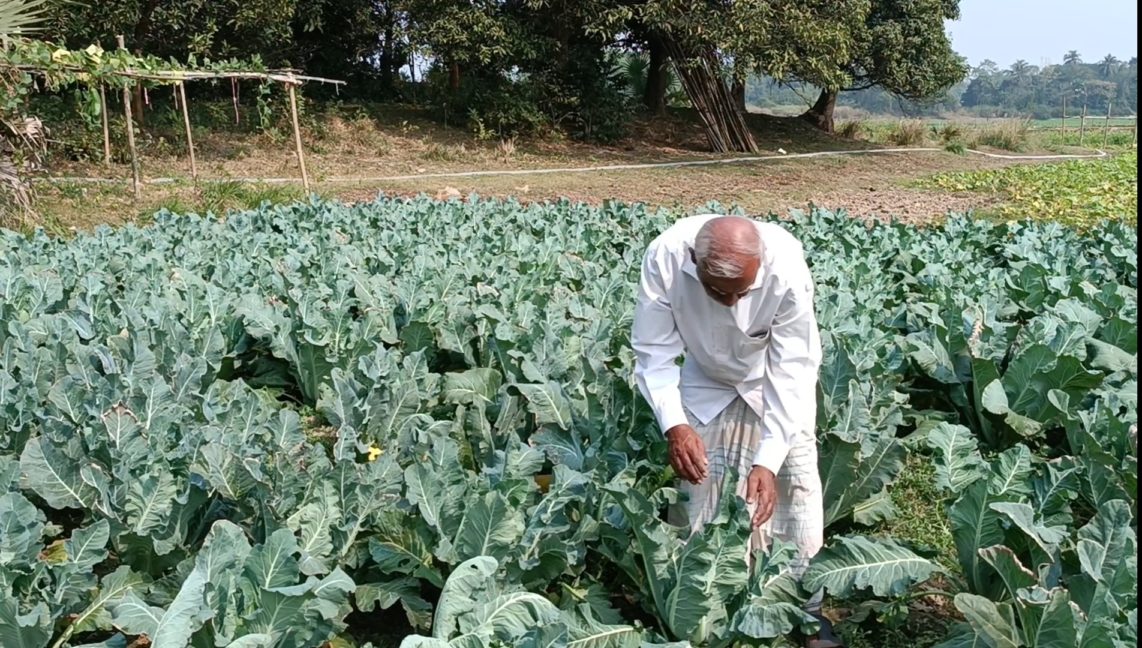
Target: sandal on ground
{"x":824,"y":637}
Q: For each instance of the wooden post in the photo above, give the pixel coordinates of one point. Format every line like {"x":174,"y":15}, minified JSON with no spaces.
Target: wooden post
{"x":1082,"y":125}
{"x":186,"y":123}
{"x":137,"y":184}
{"x":1063,"y":122}
{"x":103,"y":108}
{"x":1106,"y":124}
{"x":1134,"y":137}
{"x":297,"y":134}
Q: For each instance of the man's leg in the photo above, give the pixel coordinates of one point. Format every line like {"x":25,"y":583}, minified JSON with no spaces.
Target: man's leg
{"x":799,"y":513}
{"x":799,"y":518}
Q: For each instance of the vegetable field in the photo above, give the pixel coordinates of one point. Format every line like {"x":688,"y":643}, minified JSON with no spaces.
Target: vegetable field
{"x":1078,"y":192}
{"x":276,"y":428}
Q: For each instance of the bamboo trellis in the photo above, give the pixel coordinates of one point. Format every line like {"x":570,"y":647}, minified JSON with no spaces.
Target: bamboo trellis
{"x":290,"y":78}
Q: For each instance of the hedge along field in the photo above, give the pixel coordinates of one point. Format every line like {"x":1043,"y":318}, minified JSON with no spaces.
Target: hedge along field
{"x":261,"y":430}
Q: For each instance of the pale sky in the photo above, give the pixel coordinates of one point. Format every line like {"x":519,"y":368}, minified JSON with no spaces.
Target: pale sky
{"x":1041,"y":31}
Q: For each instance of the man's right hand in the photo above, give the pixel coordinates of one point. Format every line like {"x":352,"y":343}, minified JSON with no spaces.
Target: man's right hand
{"x":687,"y":453}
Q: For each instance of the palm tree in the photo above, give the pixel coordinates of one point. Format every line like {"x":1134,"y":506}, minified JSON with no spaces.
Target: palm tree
{"x":1107,"y":66}
{"x":1072,"y":58}
{"x":22,"y":142}
{"x":1019,"y":69}
{"x":19,"y":17}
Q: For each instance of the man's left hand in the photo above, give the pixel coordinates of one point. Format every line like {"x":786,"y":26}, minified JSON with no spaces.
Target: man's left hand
{"x":761,"y":489}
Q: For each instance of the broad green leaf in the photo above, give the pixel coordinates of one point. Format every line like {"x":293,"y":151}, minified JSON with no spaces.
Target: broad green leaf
{"x":876,"y":509}
{"x":857,"y":563}
{"x":31,"y":630}
{"x":461,"y":595}
{"x":21,"y":526}
{"x":589,"y":633}
{"x":1011,"y":473}
{"x":958,"y":462}
{"x":313,"y":524}
{"x":149,"y":501}
{"x":848,"y":478}
{"x":547,"y":403}
{"x":55,"y":477}
{"x":277,"y":615}
{"x":1110,"y":358}
{"x":771,"y":620}
{"x":1022,"y":376}
{"x":1057,"y":622}
{"x":273,"y":564}
{"x":87,"y":546}
{"x":113,"y":589}
{"x":975,"y":526}
{"x":491,"y":527}
{"x":988,"y":620}
{"x":1022,"y":515}
{"x":963,"y":635}
{"x":471,"y":386}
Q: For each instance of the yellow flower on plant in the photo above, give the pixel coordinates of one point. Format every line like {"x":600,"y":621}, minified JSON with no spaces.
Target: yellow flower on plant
{"x":375,"y":452}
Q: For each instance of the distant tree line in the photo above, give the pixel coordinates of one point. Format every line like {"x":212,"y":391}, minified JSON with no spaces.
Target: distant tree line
{"x":1021,"y":90}
{"x":586,"y":67}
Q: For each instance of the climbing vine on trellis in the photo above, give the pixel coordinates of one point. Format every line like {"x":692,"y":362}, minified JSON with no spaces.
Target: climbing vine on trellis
{"x":28,"y":66}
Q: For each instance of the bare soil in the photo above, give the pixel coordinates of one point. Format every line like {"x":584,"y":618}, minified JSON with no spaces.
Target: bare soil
{"x":348,"y":153}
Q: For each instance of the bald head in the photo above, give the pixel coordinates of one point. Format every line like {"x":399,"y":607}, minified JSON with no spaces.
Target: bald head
{"x":727,"y":246}
{"x":727,"y":251}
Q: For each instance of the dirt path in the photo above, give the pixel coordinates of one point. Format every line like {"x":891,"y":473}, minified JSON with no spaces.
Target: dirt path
{"x":864,"y":185}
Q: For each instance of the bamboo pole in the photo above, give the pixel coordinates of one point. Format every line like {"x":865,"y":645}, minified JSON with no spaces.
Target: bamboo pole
{"x":1106,"y":124}
{"x":103,"y":108}
{"x":136,"y":182}
{"x":1082,"y":125}
{"x":186,"y":123}
{"x":172,"y":76}
{"x":297,"y":135}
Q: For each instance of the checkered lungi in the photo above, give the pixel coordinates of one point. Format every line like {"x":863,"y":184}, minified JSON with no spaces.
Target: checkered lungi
{"x":731,"y":439}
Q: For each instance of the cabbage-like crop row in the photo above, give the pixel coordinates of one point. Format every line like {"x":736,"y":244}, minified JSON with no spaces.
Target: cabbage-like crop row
{"x":269,"y":429}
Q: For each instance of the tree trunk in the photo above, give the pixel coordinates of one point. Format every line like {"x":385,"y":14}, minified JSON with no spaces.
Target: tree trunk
{"x":724,"y":122}
{"x":454,"y":77}
{"x":389,"y":65}
{"x":657,"y":78}
{"x":738,"y":92}
{"x":140,"y":39}
{"x":821,"y":114}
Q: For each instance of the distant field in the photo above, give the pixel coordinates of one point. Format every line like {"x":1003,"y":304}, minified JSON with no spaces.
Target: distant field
{"x":1078,"y":192}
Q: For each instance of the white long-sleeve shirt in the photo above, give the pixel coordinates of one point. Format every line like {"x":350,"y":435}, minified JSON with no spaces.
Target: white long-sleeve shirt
{"x":766,"y":348}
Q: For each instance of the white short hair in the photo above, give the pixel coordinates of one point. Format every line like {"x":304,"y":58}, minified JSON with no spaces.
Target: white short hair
{"x":725,"y":259}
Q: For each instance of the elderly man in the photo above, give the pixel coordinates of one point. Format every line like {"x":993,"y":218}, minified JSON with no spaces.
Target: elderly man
{"x":735,"y":297}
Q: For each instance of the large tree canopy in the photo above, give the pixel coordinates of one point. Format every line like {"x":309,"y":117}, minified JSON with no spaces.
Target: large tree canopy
{"x":900,"y":46}
{"x":507,"y":67}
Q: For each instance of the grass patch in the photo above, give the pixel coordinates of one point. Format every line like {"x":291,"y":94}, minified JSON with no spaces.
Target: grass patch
{"x":1007,"y":135}
{"x":853,"y":129}
{"x":64,"y":208}
{"x":1076,"y":192}
{"x":921,"y":518}
{"x":923,"y":631}
{"x":221,"y":197}
{"x":909,"y":132}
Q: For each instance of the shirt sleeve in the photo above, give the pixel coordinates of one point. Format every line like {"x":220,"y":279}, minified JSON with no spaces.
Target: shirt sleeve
{"x":657,"y":345}
{"x":789,"y":385}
